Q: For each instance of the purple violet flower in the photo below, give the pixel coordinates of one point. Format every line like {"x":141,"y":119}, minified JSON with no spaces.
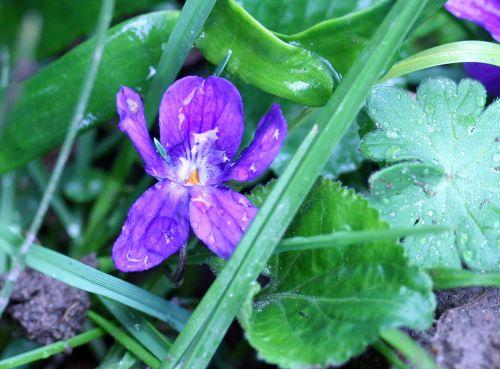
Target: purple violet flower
{"x":201,"y":127}
{"x":485,"y":13}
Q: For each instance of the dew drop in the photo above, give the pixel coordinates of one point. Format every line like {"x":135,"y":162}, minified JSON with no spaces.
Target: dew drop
{"x":132,"y":106}
{"x":391,"y":134}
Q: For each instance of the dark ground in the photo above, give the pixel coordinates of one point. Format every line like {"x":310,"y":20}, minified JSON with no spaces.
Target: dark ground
{"x":466,"y":334}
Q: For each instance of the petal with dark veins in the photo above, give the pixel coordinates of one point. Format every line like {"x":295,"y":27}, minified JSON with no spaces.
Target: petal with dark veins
{"x":220,"y":217}
{"x":156,"y":227}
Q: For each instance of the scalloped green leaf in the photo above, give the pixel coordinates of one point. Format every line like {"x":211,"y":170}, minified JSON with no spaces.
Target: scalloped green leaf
{"x":444,"y":147}
{"x":322,"y":307}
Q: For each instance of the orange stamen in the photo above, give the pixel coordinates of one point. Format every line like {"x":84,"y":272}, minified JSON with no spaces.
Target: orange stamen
{"x":193,"y":179}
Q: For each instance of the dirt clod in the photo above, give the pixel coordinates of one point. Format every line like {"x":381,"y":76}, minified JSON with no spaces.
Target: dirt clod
{"x":48,"y":310}
{"x":466,"y":335}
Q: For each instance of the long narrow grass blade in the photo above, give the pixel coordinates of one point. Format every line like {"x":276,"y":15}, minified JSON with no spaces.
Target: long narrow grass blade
{"x":191,"y":20}
{"x":40,"y":177}
{"x":139,"y":327}
{"x":107,"y":200}
{"x":205,"y":329}
{"x":125,"y":340}
{"x":105,"y":16}
{"x":47,"y":351}
{"x":84,"y":277}
{"x":7,"y":209}
{"x":118,"y":358}
{"x":352,"y":237}
{"x":444,"y":278}
{"x":391,"y":356}
{"x":409,"y":348}
{"x":27,"y":42}
{"x":454,"y":52}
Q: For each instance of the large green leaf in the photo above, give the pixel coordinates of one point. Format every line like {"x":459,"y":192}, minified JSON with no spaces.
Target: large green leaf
{"x":341,"y":40}
{"x":259,"y":58}
{"x":322,"y":307}
{"x":63,"y":20}
{"x":262,"y":59}
{"x":39,"y":121}
{"x":292,"y":16}
{"x":445,"y":154}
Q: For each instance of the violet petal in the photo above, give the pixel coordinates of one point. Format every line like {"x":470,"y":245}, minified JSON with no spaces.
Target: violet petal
{"x":133,"y":123}
{"x":269,"y":137}
{"x":485,"y":13}
{"x":155,"y":228}
{"x":219,"y":217}
{"x":195,"y":105}
{"x":488,"y":75}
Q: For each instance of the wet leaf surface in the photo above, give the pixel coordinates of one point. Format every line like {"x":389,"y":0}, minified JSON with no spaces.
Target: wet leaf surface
{"x":443,"y":147}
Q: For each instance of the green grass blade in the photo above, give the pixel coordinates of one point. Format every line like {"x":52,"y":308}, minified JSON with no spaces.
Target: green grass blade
{"x":26,"y":45}
{"x":139,"y":327}
{"x":118,"y":358}
{"x":409,"y":348}
{"x":454,"y":52}
{"x":71,"y":224}
{"x":197,"y":343}
{"x":86,"y":278}
{"x":444,"y":278}
{"x":7,"y":210}
{"x":125,"y":340}
{"x":391,"y":356}
{"x":351,"y":237}
{"x":107,"y":200}
{"x":47,"y":351}
{"x":103,"y":22}
{"x":191,"y":20}
{"x":322,"y":241}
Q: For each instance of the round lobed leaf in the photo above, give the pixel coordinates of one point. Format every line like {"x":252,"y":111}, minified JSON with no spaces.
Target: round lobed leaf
{"x":445,"y":147}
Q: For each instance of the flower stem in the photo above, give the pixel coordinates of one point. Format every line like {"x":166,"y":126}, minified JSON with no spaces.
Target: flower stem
{"x":19,"y":263}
